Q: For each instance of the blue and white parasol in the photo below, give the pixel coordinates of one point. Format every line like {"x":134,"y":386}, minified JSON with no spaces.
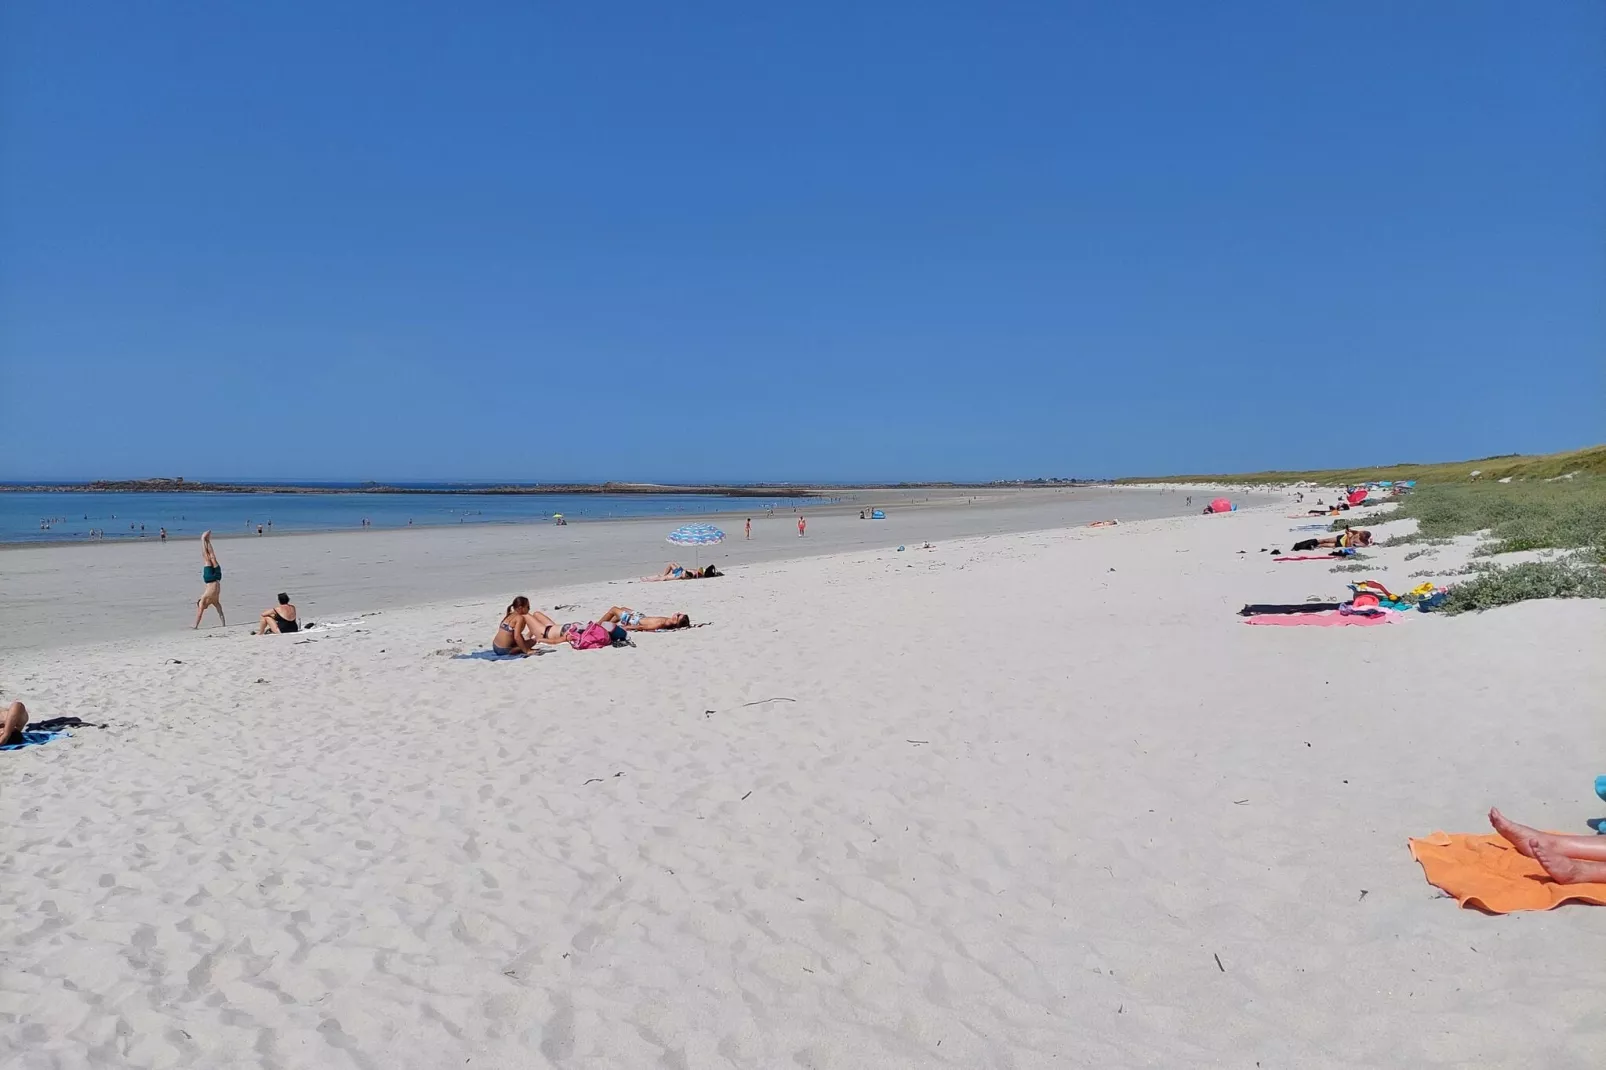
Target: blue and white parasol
{"x":698,"y":535}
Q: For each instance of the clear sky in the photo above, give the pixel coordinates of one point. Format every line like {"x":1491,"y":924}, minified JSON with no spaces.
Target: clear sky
{"x":796,"y":241}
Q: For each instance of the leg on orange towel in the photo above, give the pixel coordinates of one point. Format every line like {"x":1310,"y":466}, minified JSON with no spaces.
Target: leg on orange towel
{"x":1583,"y":848}
{"x":1564,"y":870}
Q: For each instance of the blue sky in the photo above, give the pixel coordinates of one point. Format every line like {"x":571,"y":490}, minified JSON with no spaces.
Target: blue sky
{"x":809,"y":241}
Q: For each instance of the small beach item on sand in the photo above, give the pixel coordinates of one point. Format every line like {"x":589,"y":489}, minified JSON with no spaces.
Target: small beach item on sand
{"x":1311,"y":557}
{"x":1221,"y":505}
{"x":1103,"y":523}
{"x":1488,"y":874}
{"x":878,"y":514}
{"x":1272,"y":610}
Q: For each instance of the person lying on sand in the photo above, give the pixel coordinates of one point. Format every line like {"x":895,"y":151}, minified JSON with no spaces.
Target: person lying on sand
{"x":520,"y":629}
{"x":12,"y":724}
{"x":212,"y":576}
{"x":1568,"y":859}
{"x":1347,"y":537}
{"x":676,"y":571}
{"x":635,"y":621}
{"x":279,"y":620}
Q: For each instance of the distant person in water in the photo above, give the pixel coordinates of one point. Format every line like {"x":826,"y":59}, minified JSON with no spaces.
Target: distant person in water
{"x":633,"y":621}
{"x":12,"y":724}
{"x":280,"y":619}
{"x":676,"y":571}
{"x":212,"y":576}
{"x":1568,"y":859}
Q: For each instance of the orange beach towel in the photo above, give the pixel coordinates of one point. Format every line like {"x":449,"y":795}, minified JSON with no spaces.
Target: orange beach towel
{"x":1487,"y":873}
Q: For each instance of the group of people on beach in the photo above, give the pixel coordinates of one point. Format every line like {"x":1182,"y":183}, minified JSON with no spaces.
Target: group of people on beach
{"x":279,"y":619}
{"x":523,"y":628}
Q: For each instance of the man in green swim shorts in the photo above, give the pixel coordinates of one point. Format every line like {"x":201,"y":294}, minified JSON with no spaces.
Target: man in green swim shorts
{"x":212,"y":576}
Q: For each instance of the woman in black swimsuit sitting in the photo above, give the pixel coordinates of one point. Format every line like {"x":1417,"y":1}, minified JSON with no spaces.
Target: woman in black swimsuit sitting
{"x":280,"y":619}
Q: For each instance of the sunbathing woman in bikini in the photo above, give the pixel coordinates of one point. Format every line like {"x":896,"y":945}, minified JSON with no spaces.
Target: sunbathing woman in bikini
{"x":520,"y":629}
{"x":632,"y":621}
{"x":1568,"y":859}
{"x":12,"y":724}
{"x":1347,"y":537}
{"x":676,"y":571}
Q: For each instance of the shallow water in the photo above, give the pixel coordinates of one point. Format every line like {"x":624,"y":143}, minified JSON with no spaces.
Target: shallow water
{"x":70,"y":516}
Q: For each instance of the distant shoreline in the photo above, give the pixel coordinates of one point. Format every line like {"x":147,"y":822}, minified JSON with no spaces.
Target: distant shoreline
{"x":748,"y":490}
{"x":171,"y":486}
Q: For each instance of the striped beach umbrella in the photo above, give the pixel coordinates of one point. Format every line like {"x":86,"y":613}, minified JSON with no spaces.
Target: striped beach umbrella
{"x":696,"y":535}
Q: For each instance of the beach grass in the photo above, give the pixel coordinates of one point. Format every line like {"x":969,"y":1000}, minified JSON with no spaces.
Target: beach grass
{"x":1574,"y":576}
{"x":1564,"y":514}
{"x":1588,"y":461}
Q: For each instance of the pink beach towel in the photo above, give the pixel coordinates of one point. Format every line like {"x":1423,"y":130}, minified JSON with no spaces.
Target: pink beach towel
{"x":1335,"y":619}
{"x":1309,"y":557}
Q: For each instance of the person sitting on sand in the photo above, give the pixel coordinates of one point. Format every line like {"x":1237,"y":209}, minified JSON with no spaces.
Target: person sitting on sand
{"x":12,"y":724}
{"x":280,"y":619}
{"x":212,"y":576}
{"x":675,"y":571}
{"x":1568,"y":859}
{"x":521,"y":628}
{"x":1345,"y":538}
{"x":635,"y":621}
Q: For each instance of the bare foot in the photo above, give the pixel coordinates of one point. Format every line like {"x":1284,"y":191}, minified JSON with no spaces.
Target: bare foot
{"x":1564,"y":870}
{"x":1519,"y":836}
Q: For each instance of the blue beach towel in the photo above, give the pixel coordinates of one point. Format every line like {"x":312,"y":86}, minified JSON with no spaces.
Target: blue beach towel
{"x":32,"y":738}
{"x":491,"y":655}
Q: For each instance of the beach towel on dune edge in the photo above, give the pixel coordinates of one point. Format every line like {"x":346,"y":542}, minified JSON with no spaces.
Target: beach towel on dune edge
{"x":1487,"y":873}
{"x":1330,"y":619}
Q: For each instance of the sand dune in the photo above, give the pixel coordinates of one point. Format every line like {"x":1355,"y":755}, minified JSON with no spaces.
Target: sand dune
{"x":1033,"y":799}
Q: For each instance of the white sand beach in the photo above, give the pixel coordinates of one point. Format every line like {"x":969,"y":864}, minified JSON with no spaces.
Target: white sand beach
{"x":1029,"y":798}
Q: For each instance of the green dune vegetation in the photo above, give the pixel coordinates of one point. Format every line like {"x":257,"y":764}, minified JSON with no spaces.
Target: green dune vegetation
{"x":1588,"y":461}
{"x":1562,"y":514}
{"x":1515,"y":502}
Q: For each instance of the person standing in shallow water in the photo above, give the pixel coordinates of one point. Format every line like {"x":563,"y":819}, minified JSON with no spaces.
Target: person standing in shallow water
{"x":212,"y":576}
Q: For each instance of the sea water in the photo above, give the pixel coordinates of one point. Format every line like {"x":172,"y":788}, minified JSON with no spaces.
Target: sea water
{"x":70,"y":516}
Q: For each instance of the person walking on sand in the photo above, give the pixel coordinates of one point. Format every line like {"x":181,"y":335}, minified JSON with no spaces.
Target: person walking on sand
{"x":749,"y":527}
{"x":212,"y":576}
{"x":163,"y":535}
{"x":802,"y":525}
